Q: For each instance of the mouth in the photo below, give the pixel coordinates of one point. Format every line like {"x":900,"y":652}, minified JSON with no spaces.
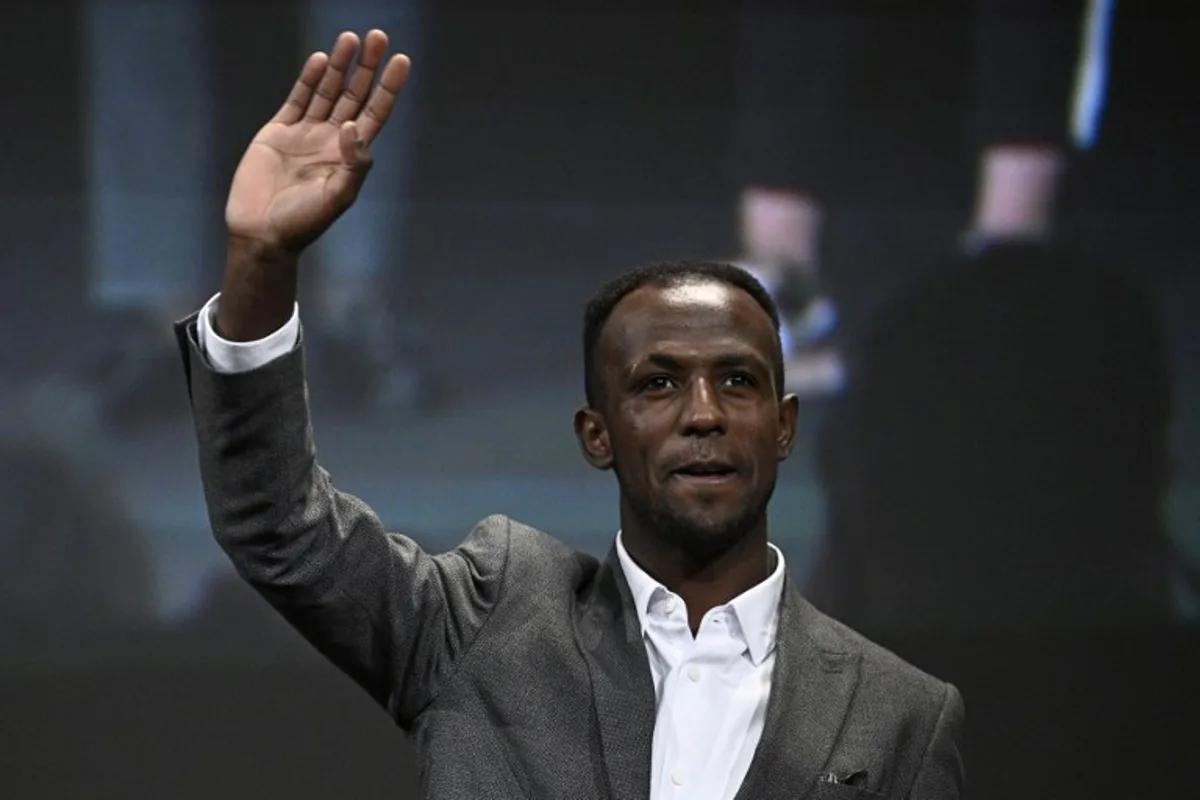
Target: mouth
{"x":705,"y":472}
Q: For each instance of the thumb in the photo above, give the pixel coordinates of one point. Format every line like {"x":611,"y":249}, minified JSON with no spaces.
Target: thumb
{"x":355,"y":162}
{"x":354,"y":151}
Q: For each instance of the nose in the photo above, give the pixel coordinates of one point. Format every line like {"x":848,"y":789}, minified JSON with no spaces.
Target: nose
{"x":703,"y":414}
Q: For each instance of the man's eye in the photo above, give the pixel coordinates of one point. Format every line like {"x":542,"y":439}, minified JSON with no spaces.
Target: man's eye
{"x":740,"y":379}
{"x":657,"y":383}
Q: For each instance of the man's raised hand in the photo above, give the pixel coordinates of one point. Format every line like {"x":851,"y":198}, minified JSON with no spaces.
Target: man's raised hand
{"x":304,"y":168}
{"x":301,"y":172}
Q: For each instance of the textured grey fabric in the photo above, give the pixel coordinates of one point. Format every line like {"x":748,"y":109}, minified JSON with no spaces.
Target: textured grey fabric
{"x":516,"y":662}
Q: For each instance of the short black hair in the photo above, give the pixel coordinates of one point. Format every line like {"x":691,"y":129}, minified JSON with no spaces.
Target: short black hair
{"x":664,"y":274}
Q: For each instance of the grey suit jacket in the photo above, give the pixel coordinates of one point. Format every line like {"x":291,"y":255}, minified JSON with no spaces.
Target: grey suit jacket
{"x":515,"y":662}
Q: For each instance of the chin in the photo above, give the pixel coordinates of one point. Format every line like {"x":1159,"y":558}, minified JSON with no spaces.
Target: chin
{"x":711,"y":531}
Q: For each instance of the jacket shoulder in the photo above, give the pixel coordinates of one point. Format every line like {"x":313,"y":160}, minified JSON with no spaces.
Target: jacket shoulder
{"x":530,"y":554}
{"x":882,"y":672}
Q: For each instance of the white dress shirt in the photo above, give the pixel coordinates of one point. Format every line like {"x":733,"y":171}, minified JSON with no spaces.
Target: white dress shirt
{"x":711,"y":689}
{"x":230,"y":357}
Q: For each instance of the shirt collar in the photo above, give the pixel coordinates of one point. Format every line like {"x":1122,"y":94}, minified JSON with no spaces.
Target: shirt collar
{"x":756,"y":609}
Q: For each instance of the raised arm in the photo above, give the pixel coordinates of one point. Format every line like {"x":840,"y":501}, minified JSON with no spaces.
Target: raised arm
{"x":1027,"y":56}
{"x":788,"y":59}
{"x":395,"y":618}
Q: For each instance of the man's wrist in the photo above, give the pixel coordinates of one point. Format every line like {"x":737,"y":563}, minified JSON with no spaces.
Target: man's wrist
{"x":1018,"y":191}
{"x":258,"y":291}
{"x":780,"y":226}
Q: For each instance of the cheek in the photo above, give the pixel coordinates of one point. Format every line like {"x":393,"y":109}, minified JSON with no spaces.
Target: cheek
{"x":769,"y":452}
{"x":640,"y":432}
{"x":636,"y":460}
{"x":626,"y":444}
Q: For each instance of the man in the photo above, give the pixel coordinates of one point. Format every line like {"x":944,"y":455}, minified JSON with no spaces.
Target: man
{"x":684,"y":665}
{"x":858,"y":138}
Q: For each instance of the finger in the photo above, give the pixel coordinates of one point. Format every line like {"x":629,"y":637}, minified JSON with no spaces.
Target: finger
{"x":294,"y":106}
{"x":330,"y":85}
{"x":383,"y":98}
{"x":355,"y":93}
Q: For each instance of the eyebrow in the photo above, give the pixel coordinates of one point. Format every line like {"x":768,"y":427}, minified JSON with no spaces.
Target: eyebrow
{"x":724,"y":361}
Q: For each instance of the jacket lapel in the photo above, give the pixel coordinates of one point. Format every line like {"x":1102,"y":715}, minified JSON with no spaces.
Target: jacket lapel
{"x":813,"y":682}
{"x":610,"y":639}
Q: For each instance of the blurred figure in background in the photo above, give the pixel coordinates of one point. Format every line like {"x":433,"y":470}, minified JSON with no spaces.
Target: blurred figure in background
{"x":371,"y":348}
{"x":153,"y":168}
{"x":150,"y":157}
{"x":868,"y":126}
{"x":1002,"y":451}
{"x":1000,"y":458}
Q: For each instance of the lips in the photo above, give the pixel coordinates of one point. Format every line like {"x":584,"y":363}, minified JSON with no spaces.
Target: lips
{"x":705,"y":471}
{"x":702,"y":468}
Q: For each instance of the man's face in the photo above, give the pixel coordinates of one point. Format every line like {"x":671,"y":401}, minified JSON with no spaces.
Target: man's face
{"x":693,"y":424}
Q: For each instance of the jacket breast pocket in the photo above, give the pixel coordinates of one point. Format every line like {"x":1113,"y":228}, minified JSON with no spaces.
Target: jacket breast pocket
{"x":837,"y":791}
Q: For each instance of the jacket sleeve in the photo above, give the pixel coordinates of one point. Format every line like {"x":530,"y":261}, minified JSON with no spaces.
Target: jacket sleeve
{"x":1026,"y":60}
{"x":787,"y":70}
{"x":940,"y":776}
{"x":394,"y":618}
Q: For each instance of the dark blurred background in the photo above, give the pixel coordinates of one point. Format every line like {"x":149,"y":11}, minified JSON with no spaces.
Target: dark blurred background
{"x":979,"y":218}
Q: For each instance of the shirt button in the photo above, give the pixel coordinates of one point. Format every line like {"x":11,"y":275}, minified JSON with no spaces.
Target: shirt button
{"x":669,"y":606}
{"x":694,"y":673}
{"x":678,"y":778}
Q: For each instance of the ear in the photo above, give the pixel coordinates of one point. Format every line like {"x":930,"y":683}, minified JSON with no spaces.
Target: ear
{"x":789,"y":410}
{"x":593,"y":438}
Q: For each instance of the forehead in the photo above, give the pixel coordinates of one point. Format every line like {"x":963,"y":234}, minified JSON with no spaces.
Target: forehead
{"x":697,"y":315}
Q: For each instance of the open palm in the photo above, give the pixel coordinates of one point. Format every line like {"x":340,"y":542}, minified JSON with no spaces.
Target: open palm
{"x":304,"y":168}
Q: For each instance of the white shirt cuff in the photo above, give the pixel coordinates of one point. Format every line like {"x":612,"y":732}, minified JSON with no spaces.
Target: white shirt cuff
{"x":230,"y":357}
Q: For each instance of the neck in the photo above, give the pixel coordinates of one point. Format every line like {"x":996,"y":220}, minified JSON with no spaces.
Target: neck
{"x":702,"y":580}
